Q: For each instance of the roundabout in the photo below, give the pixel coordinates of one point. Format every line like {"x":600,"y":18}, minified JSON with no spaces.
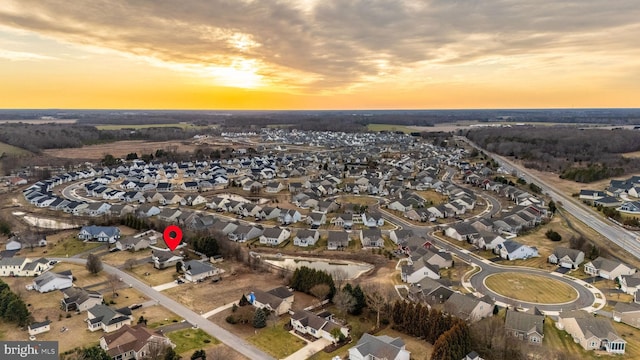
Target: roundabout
{"x":531,"y":288}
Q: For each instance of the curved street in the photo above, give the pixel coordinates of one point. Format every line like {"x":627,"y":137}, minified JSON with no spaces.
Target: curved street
{"x":210,"y":328}
{"x":585,"y":298}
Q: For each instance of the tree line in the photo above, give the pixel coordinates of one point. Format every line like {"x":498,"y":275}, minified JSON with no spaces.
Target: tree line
{"x":12,"y":308}
{"x":579,"y":155}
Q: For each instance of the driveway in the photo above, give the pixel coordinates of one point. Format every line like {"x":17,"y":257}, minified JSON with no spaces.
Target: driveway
{"x":309,"y":349}
{"x":210,"y":328}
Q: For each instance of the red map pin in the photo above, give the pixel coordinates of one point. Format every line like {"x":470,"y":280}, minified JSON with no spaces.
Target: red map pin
{"x":172,"y":236}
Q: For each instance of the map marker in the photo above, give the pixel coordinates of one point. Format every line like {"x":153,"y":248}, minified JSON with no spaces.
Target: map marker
{"x":172,"y":236}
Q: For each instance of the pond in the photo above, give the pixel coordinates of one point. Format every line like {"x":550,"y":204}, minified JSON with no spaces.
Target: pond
{"x":350,"y":268}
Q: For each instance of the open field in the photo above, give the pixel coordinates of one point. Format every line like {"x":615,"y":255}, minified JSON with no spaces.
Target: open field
{"x":358,"y":200}
{"x":188,"y":340}
{"x":119,"y":149}
{"x":11,"y":150}
{"x":40,"y":121}
{"x":389,"y":127}
{"x":156,"y":277}
{"x":275,"y":340}
{"x":529,"y":287}
{"x":181,"y":125}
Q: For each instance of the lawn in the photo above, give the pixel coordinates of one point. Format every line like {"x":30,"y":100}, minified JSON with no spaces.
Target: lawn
{"x":71,"y":246}
{"x":390,"y":127}
{"x":359,"y":200}
{"x":276,"y":341}
{"x":11,"y":150}
{"x":191,"y":339}
{"x":531,"y":288}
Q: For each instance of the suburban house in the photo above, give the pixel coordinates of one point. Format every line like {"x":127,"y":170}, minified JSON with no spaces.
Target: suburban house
{"x":305,"y":237}
{"x":50,"y":281}
{"x":278,"y":300}
{"x":525,"y":326}
{"x":342,"y":220}
{"x":628,"y":313}
{"x":430,"y":291}
{"x":274,"y":236}
{"x":102,"y":317}
{"x":147,"y":210}
{"x":134,"y":342}
{"x":169,"y":215}
{"x":132,"y":243}
{"x":379,"y":347}
{"x":442,"y":259}
{"x":513,"y":250}
{"x":607,"y":269}
{"x":79,"y":299}
{"x":461,"y":232}
{"x":109,"y":234}
{"x":398,"y":236}
{"x":196,"y":271}
{"x":630,"y":283}
{"x":307,"y":322}
{"x":289,"y":217}
{"x":566,"y":258}
{"x":468,"y":307}
{"x":592,"y":333}
{"x":244,"y":233}
{"x":316,"y":219}
{"x":371,"y":238}
{"x":472,"y":356}
{"x":371,"y":220}
{"x":19,"y":266}
{"x":39,"y":327}
{"x":418,"y":270}
{"x":337,"y":240}
{"x":163,"y":259}
{"x":400,"y":205}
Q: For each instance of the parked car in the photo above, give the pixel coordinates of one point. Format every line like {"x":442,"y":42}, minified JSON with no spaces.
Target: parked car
{"x":135,"y":306}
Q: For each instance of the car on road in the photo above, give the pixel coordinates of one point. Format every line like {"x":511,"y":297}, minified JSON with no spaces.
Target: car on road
{"x":179,"y":281}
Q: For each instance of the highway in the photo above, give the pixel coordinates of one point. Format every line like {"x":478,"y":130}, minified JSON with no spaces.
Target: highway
{"x":210,"y":328}
{"x":622,"y":237}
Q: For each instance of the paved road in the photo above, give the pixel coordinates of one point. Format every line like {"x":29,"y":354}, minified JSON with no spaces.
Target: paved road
{"x":624,"y":238}
{"x":585,"y":297}
{"x":69,"y":192}
{"x":212,"y":329}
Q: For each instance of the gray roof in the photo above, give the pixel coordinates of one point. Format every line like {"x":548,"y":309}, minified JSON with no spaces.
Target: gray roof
{"x":605,"y":264}
{"x":598,"y":327}
{"x":196,"y":267}
{"x":561,"y":252}
{"x":383,"y":347}
{"x":524,"y":322}
{"x":106,"y":315}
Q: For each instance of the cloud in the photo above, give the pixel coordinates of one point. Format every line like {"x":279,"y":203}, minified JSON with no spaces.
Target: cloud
{"x":333,"y":44}
{"x":23,"y":56}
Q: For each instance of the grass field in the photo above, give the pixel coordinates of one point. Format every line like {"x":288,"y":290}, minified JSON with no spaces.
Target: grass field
{"x":276,"y":341}
{"x":191,"y":339}
{"x":11,"y":150}
{"x":389,"y":127}
{"x":531,"y":288}
{"x":145,"y":126}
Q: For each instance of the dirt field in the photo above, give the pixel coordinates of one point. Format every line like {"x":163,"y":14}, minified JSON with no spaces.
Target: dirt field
{"x":119,"y":148}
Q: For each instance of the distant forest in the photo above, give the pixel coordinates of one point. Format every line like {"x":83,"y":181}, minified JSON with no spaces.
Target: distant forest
{"x":36,"y":138}
{"x":580,"y":155}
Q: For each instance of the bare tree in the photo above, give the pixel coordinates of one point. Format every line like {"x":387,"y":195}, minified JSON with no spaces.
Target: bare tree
{"x":94,"y":264}
{"x":155,"y":350}
{"x":339,"y":278}
{"x":114,"y":281}
{"x":344,"y":302}
{"x":378,"y":297}
{"x":320,"y":291}
{"x":129,"y":264}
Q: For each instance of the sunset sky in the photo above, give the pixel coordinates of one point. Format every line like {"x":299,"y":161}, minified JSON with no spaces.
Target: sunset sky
{"x":319,"y":54}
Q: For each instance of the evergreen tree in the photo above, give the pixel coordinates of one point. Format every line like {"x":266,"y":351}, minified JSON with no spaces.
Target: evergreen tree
{"x":94,"y":353}
{"x":259,"y":319}
{"x":170,"y":354}
{"x":361,"y":300}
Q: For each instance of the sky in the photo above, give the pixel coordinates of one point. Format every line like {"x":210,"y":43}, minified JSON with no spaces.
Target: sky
{"x":319,"y":54}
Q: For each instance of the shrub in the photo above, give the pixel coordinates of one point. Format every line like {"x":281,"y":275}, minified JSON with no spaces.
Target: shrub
{"x":231,"y":319}
{"x":553,"y":235}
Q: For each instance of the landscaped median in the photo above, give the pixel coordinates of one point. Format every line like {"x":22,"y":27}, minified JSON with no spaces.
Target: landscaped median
{"x":531,"y":288}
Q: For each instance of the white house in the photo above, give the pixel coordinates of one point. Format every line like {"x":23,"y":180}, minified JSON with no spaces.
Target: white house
{"x":566,"y":258}
{"x":195,"y":271}
{"x":50,"y":281}
{"x":109,"y":234}
{"x":306,"y":238}
{"x":102,"y":317}
{"x":274,"y":236}
{"x":308,"y":323}
{"x":512,"y":250}
{"x":592,"y":333}
{"x":607,"y":269}
{"x":39,"y":327}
